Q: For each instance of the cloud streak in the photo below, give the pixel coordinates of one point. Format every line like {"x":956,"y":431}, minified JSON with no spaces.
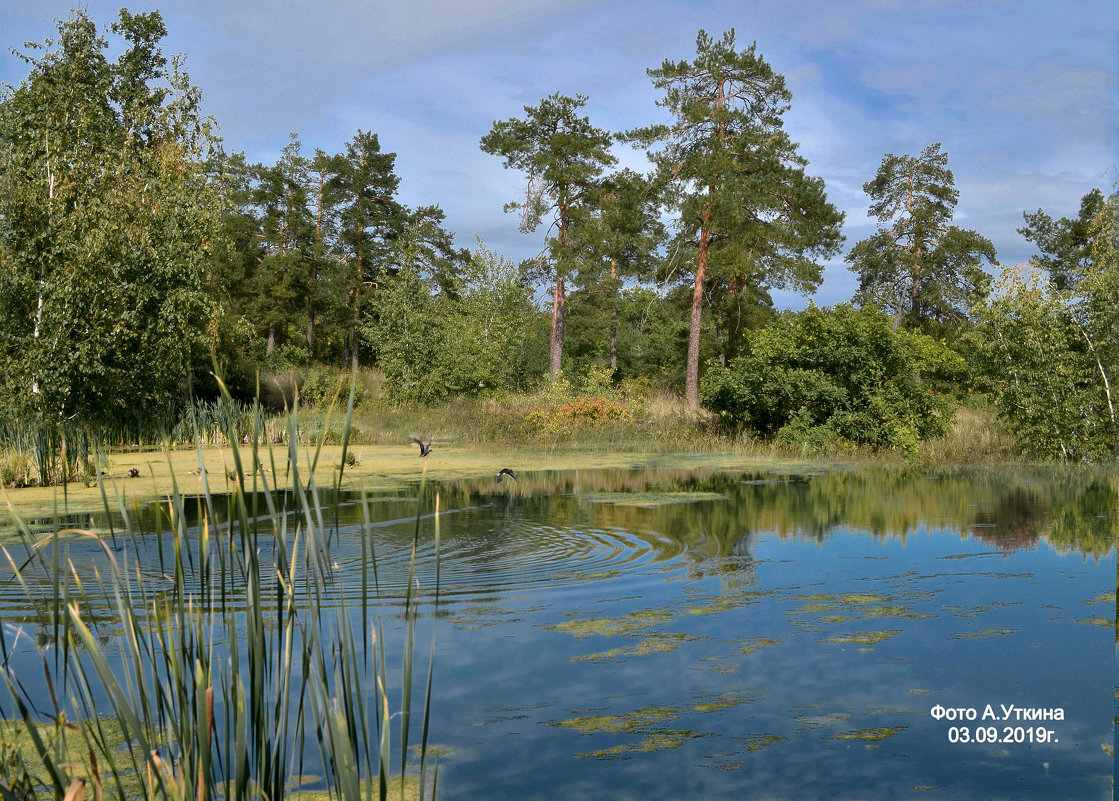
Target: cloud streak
{"x":1021,"y":94}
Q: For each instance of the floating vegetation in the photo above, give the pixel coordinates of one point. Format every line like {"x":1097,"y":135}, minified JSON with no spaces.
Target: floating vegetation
{"x":835,"y":609}
{"x":729,"y":700}
{"x":861,"y":598}
{"x":649,"y":500}
{"x":867,"y":735}
{"x":754,"y":644}
{"x":613,"y":626}
{"x":863,"y":637}
{"x":716,"y":664}
{"x":985,"y":634}
{"x":659,"y":741}
{"x":890,"y":610}
{"x":1096,"y":621}
{"x":756,"y":742}
{"x":1105,"y":598}
{"x":823,"y":720}
{"x":637,"y":720}
{"x":648,"y":721}
{"x":724,"y":604}
{"x":972,"y":611}
{"x":368,"y":789}
{"x":653,"y":644}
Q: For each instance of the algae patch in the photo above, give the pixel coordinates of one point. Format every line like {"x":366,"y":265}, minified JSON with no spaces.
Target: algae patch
{"x":863,"y":637}
{"x":653,"y":644}
{"x":756,"y":742}
{"x":868,"y":735}
{"x":754,"y":644}
{"x":613,"y":626}
{"x":649,"y":500}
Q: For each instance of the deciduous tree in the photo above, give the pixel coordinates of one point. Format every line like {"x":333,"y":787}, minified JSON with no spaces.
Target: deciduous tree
{"x":1048,"y":339}
{"x":106,"y":225}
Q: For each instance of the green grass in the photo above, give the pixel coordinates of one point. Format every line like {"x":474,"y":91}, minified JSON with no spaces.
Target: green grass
{"x":209,"y":693}
{"x":629,"y":418}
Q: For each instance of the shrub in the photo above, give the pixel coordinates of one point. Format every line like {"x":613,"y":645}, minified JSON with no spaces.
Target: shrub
{"x":562,"y":419}
{"x":820,"y":374}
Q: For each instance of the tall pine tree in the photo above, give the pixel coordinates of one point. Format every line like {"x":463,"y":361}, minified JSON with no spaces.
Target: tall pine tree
{"x":737,"y":182}
{"x":917,"y":265}
{"x":564,"y":158}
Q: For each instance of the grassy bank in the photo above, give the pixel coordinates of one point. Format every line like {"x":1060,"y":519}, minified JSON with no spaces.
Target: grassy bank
{"x":557,"y":428}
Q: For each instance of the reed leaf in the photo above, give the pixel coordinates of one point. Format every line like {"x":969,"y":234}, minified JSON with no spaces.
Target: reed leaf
{"x":140,"y":647}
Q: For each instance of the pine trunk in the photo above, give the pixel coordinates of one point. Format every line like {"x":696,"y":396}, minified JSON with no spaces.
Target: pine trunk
{"x":558,"y":320}
{"x":614,"y":318}
{"x":691,"y":381}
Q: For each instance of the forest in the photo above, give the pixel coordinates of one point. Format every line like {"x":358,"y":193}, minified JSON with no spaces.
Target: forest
{"x":141,"y":257}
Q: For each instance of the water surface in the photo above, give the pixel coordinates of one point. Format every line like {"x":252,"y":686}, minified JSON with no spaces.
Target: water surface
{"x":659,"y":634}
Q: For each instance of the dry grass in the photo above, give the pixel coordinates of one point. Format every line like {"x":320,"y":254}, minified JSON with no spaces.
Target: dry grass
{"x":977,"y":436}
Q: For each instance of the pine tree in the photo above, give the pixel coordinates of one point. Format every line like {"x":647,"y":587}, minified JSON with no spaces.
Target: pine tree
{"x":917,"y":265}
{"x":370,"y":220}
{"x":563,"y":157}
{"x":737,"y":181}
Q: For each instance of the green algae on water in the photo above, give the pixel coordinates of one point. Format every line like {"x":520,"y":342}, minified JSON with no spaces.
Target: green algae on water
{"x":613,"y":626}
{"x":653,"y":644}
{"x":863,"y":637}
{"x":867,"y":735}
{"x":754,"y":644}
{"x":648,"y":500}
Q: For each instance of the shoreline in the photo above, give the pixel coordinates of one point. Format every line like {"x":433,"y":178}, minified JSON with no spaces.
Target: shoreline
{"x":378,"y":468}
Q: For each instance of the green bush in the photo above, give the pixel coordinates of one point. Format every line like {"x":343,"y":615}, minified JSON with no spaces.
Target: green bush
{"x":812,"y":377}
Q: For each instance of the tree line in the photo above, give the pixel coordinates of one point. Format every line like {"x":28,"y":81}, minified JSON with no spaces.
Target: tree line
{"x":136,"y":251}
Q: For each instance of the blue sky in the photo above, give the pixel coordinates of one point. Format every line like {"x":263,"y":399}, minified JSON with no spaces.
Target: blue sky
{"x":1022,"y":94}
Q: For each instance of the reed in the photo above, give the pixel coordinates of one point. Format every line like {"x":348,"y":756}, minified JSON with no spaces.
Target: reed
{"x":221,"y":675}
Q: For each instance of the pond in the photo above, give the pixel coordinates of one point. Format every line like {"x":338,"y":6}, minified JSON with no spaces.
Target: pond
{"x":664,"y":634}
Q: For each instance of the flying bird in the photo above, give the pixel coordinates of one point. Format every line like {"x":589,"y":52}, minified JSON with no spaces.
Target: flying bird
{"x":424,"y":449}
{"x":505,"y":471}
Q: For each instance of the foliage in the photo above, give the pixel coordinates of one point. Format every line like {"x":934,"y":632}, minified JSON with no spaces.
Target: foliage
{"x":736,"y":179}
{"x":431,"y":346}
{"x":563,"y":157}
{"x":15,"y":782}
{"x":822,"y":374}
{"x":1066,"y":244}
{"x":916,"y":265}
{"x":107,"y":219}
{"x":1049,"y":346}
{"x":560,"y":420}
{"x":1050,"y":390}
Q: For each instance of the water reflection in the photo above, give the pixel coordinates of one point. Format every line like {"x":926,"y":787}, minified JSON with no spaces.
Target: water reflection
{"x":704,"y":634}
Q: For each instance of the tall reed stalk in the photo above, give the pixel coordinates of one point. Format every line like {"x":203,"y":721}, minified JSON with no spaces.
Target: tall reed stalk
{"x":219,"y":674}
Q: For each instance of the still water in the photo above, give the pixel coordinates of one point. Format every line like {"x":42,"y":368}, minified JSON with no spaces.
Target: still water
{"x":661,"y":634}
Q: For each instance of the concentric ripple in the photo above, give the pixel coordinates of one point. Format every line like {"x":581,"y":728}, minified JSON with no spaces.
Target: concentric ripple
{"x":484,"y":551}
{"x":480,"y":555}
